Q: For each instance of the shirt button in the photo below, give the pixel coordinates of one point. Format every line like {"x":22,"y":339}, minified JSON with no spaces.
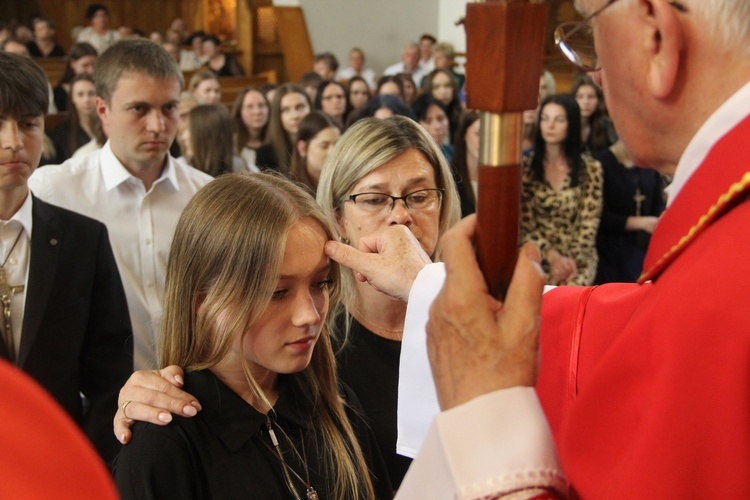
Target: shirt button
{"x":148,"y":241}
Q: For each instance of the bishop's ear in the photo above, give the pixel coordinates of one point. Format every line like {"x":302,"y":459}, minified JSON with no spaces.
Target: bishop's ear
{"x":665,"y":45}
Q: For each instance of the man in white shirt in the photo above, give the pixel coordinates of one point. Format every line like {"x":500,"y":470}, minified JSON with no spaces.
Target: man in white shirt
{"x":409,"y":64}
{"x":132,"y":184}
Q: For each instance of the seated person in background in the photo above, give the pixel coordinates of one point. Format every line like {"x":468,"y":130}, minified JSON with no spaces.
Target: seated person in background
{"x":217,"y":61}
{"x":357,"y":95}
{"x":44,"y":44}
{"x":331,"y":100}
{"x":250,"y":115}
{"x":426,"y":56}
{"x":192,"y":57}
{"x":465,"y":162}
{"x":317,"y":135}
{"x":97,"y":33}
{"x":409,"y":64}
{"x":81,"y":61}
{"x":289,"y":106}
{"x":357,"y":68}
{"x":432,"y":116}
{"x":382,"y":107}
{"x":245,"y":313}
{"x":391,"y":85}
{"x":325,"y":64}
{"x":205,"y":86}
{"x":562,"y":195}
{"x":310,"y":82}
{"x":441,"y":85}
{"x":633,"y":200}
{"x":445,"y":56}
{"x":597,"y":131}
{"x":77,"y":129}
{"x":410,"y":88}
{"x":65,"y":314}
{"x":208,"y":141}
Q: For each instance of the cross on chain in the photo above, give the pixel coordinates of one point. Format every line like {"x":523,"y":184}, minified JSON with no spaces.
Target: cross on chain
{"x":6,"y":296}
{"x":638,"y":198}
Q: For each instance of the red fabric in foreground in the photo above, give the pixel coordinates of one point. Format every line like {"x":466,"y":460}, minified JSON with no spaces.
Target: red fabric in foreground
{"x":43,"y":454}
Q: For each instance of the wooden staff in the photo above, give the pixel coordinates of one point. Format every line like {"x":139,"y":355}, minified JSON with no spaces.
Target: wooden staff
{"x":505,"y":47}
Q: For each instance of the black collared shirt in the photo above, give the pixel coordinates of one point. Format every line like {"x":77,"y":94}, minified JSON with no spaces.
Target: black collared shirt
{"x":225,"y":452}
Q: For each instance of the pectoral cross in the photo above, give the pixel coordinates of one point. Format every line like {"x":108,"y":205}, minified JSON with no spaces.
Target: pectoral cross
{"x":6,"y":296}
{"x":638,"y":198}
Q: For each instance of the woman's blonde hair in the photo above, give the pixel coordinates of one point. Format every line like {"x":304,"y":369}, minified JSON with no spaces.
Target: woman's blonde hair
{"x":226,"y":257}
{"x":367,"y":145}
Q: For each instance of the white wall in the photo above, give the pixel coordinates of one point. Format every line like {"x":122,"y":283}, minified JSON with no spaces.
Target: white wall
{"x":380,"y":27}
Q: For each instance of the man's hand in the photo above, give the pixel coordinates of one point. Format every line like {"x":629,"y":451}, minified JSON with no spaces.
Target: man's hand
{"x":152,"y":396}
{"x":389,"y":260}
{"x":475,"y":343}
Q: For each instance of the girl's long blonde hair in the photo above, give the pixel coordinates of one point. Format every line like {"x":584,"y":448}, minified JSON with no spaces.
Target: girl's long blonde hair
{"x":226,"y":256}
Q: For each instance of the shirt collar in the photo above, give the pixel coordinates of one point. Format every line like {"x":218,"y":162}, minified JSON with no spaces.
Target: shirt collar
{"x":724,"y":119}
{"x":114,"y":172}
{"x":23,"y":214}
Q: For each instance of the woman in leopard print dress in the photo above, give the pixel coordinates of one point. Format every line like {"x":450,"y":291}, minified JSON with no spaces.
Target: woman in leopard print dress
{"x":562,"y":195}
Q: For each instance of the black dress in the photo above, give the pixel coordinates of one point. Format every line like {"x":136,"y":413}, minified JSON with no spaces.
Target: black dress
{"x":34,"y":51}
{"x":369,"y":364}
{"x":225,"y":452}
{"x":621,"y":252}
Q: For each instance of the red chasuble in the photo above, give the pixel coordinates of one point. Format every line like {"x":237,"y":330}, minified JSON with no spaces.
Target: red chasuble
{"x":647,"y":387}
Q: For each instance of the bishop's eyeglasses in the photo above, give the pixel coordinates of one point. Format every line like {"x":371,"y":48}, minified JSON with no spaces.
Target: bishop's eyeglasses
{"x":576,"y":38}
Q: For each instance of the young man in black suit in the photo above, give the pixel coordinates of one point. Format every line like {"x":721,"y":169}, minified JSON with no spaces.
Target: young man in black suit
{"x":63,"y":313}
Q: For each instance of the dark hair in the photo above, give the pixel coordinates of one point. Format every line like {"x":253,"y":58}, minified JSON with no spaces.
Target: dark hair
{"x":429,"y":37}
{"x":93,"y":8}
{"x":454,"y":108}
{"x":309,"y":127}
{"x":329,"y":59}
{"x":572,"y":145}
{"x":390,"y":78}
{"x":77,"y":51}
{"x":23,"y":86}
{"x":459,"y":165}
{"x":133,"y":56}
{"x":195,"y":34}
{"x":310,"y":79}
{"x":42,"y":19}
{"x":322,"y":86}
{"x":277,"y":136}
{"x":211,"y":139}
{"x":74,"y":119}
{"x":422,"y":104}
{"x":601,"y":134}
{"x":395,"y":104}
{"x":213,"y":39}
{"x":242,"y":134}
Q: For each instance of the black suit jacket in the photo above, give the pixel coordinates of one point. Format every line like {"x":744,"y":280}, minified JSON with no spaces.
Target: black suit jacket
{"x":76,"y":336}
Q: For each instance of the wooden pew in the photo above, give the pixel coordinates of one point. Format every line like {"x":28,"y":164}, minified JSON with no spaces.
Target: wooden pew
{"x":53,"y":67}
{"x":231,"y":86}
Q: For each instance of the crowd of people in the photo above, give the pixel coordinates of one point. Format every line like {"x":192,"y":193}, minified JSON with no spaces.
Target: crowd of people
{"x":228,"y":255}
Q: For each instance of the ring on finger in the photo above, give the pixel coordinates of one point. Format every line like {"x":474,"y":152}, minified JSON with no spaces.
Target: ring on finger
{"x":124,"y":408}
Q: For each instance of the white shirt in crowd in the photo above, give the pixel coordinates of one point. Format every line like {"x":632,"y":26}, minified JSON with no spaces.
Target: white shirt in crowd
{"x":140,"y":223}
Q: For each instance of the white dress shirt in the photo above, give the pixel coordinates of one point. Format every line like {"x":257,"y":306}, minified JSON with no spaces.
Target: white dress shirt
{"x":15,"y":255}
{"x":140,"y":223}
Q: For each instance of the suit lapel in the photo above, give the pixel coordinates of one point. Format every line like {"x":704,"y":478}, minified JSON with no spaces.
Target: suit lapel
{"x":45,"y":247}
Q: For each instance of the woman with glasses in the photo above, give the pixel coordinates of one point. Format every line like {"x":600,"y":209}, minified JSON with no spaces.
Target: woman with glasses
{"x":382,"y":173}
{"x":562,"y":195}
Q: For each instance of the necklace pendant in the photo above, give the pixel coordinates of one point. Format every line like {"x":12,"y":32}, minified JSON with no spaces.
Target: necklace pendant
{"x":312,"y":494}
